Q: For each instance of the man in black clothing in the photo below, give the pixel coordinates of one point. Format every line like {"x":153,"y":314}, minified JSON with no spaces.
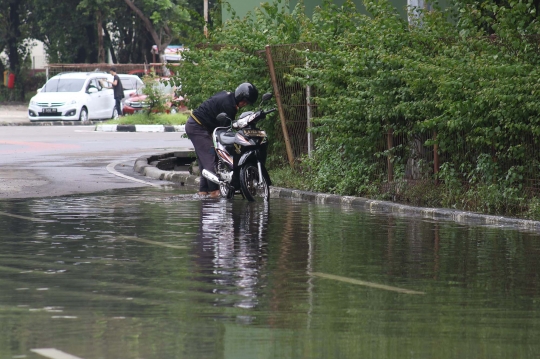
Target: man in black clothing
{"x":117,"y":89}
{"x":202,"y":123}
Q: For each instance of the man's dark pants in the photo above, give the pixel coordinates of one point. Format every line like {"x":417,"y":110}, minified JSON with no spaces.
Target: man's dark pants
{"x":118,"y":106}
{"x":206,"y":154}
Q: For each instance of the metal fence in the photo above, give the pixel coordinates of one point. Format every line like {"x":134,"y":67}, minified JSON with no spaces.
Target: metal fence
{"x":293,"y":99}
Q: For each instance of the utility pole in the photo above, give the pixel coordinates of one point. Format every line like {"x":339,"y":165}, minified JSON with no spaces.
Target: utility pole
{"x":206,"y":18}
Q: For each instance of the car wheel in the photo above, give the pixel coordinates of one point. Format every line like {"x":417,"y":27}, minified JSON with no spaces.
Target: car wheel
{"x":114,"y":113}
{"x":83,"y":117}
{"x":174,"y":110}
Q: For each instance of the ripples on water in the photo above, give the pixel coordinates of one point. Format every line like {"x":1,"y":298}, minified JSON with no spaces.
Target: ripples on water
{"x":157,"y":274}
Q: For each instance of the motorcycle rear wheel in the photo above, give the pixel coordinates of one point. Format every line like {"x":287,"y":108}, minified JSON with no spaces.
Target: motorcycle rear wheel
{"x":251,"y":185}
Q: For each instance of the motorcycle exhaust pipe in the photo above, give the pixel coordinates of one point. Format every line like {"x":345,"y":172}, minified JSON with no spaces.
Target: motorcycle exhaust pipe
{"x":210,"y":176}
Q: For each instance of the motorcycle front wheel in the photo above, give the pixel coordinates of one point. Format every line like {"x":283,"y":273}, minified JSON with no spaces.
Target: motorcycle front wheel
{"x":226,"y":191}
{"x":251,"y":185}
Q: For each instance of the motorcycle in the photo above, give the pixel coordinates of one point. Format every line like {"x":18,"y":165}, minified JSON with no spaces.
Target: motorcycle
{"x":241,"y":152}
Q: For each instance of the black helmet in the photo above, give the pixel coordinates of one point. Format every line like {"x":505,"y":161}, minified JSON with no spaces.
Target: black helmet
{"x":246,"y":91}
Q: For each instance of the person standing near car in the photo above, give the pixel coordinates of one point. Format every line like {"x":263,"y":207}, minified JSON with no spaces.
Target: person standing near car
{"x":202,"y":122}
{"x":118,"y":90}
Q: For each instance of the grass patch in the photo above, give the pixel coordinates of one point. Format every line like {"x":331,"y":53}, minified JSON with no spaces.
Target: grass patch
{"x":288,"y":178}
{"x":150,"y":119}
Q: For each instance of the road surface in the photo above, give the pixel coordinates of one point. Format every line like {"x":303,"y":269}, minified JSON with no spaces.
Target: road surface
{"x":42,"y":161}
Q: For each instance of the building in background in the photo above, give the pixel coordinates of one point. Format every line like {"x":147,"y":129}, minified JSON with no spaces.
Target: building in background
{"x":38,"y":57}
{"x":242,"y":7}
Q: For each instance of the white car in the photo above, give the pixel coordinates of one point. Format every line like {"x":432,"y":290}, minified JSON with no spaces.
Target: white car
{"x":130,"y":83}
{"x":74,"y":96}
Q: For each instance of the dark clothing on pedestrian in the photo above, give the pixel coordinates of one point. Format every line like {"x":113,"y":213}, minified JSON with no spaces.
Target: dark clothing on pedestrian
{"x":204,"y":149}
{"x":207,"y":112}
{"x":118,"y":89}
{"x":118,"y":94}
{"x":118,"y":105}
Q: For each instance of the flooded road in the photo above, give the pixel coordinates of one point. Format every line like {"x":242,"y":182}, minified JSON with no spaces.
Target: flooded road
{"x":149,"y":273}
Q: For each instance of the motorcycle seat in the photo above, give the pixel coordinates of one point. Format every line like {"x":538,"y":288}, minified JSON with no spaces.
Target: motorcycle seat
{"x":226,"y":138}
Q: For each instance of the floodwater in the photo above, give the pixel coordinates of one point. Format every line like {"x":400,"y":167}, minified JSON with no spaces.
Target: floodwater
{"x":146,"y":273}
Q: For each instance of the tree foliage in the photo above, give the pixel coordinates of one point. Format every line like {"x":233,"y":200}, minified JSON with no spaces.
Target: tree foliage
{"x":16,"y":24}
{"x":162,"y":19}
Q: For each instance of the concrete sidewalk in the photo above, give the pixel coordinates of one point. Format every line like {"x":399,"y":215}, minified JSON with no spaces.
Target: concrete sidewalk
{"x":14,"y":113}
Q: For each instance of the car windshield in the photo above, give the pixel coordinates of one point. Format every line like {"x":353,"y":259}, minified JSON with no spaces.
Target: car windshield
{"x":63,"y":85}
{"x":130,"y":84}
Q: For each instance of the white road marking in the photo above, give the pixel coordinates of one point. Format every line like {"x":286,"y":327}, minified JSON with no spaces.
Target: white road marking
{"x":53,"y":353}
{"x":367,"y":284}
{"x":110,"y":168}
{"x":147,"y":241}
{"x":23,"y":217}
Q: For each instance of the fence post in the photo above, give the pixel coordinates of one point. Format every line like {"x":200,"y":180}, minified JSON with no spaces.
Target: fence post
{"x":390,"y":145}
{"x":280,"y":106}
{"x":309,"y":115}
{"x":435,"y":157}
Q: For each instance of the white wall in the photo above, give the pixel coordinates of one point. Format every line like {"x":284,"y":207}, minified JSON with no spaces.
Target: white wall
{"x":37,"y":54}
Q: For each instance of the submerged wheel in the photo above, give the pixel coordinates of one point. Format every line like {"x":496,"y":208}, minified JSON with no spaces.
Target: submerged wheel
{"x":226,"y":191}
{"x":252,"y":186}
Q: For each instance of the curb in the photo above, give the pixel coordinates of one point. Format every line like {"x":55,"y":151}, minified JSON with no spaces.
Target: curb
{"x":101,"y":127}
{"x":184,"y":178}
{"x":143,"y":167}
{"x":51,"y":123}
{"x":140,"y":128}
{"x":391,"y":207}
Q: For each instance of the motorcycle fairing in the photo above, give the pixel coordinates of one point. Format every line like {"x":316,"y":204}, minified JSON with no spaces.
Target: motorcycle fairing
{"x":226,"y":138}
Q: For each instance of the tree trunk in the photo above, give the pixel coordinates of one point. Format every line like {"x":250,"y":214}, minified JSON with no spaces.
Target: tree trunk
{"x":158,"y":39}
{"x":101,"y":49}
{"x":12,"y":44}
{"x":111,"y":48}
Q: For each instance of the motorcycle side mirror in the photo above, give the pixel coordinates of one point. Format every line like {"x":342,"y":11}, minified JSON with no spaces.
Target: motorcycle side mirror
{"x":267,"y":96}
{"x":222,"y":117}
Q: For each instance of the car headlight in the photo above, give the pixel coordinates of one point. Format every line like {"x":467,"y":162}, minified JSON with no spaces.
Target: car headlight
{"x":33,"y":102}
{"x":73,"y":102}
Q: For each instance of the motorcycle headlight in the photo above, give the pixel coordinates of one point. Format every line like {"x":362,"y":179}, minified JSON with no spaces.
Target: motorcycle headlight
{"x":241,"y":123}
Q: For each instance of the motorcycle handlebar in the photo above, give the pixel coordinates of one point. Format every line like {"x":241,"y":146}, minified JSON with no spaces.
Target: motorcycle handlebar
{"x":269,"y":111}
{"x":257,"y":116}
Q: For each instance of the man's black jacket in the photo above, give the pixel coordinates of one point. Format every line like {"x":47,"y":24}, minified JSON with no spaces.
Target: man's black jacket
{"x":207,"y":112}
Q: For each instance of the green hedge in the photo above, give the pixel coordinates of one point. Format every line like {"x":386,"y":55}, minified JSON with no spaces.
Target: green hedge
{"x":477,"y":89}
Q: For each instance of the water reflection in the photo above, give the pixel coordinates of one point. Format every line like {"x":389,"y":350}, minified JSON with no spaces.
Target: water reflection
{"x":150,"y":274}
{"x":230,"y":249}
